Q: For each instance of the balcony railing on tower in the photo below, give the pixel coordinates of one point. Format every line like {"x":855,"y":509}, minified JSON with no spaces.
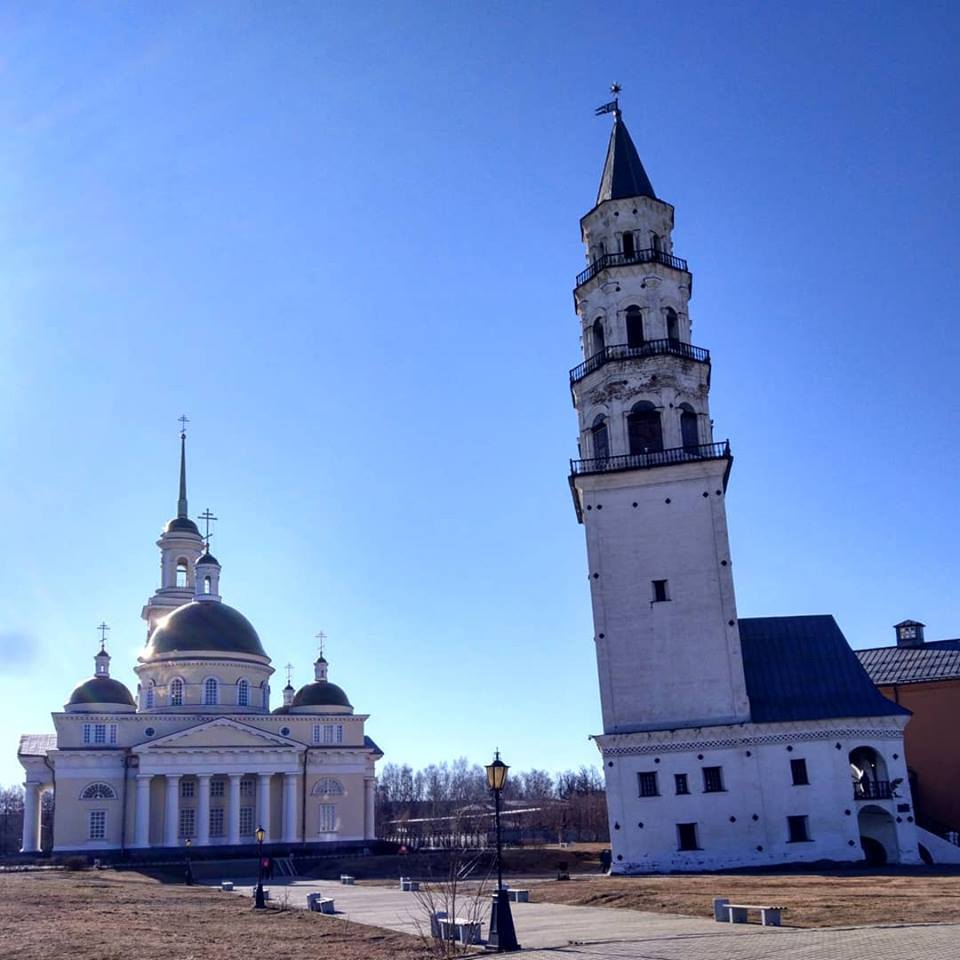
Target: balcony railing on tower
{"x":649,"y":348}
{"x":649,"y":255}
{"x":656,"y":458}
{"x":872,"y":789}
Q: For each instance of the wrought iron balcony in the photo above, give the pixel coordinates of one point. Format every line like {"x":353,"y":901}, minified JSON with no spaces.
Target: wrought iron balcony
{"x":649,"y":348}
{"x":656,"y":458}
{"x":872,"y":790}
{"x":628,"y":259}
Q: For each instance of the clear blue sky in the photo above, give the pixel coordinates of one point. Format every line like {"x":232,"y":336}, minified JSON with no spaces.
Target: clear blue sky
{"x":342,"y":238}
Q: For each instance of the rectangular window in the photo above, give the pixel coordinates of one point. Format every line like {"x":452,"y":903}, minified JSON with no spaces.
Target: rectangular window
{"x":681,"y":781}
{"x":217,"y":788}
{"x":113,"y":733}
{"x":712,"y":780}
{"x":328,"y":733}
{"x":188,"y":819}
{"x":186,"y":789}
{"x":798,"y":768}
{"x":87,"y":732}
{"x":98,"y":825}
{"x":317,"y":730}
{"x":338,"y":733}
{"x":687,"y":836}
{"x":246,"y":821}
{"x":328,"y":817}
{"x":99,"y":733}
{"x":647,"y":781}
{"x":660,"y":591}
{"x":797,"y":827}
{"x":247,"y":788}
{"x":216,"y":822}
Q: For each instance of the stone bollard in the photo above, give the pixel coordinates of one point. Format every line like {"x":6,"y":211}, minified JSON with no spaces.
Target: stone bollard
{"x":719,"y":909}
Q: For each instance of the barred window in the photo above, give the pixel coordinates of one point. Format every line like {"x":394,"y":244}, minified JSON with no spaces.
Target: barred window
{"x":648,"y":783}
{"x":243,"y":694}
{"x":176,"y":693}
{"x":246,"y":821}
{"x":265,"y":696}
{"x":99,"y":733}
{"x":681,"y":781}
{"x":113,"y":733}
{"x":151,"y":695}
{"x":87,"y":732}
{"x":217,"y":788}
{"x":216,"y":822}
{"x":98,"y":825}
{"x":98,"y":791}
{"x":247,"y":788}
{"x":210,"y":692}
{"x":186,"y":789}
{"x":328,"y":817}
{"x":187,"y":822}
{"x":712,"y":780}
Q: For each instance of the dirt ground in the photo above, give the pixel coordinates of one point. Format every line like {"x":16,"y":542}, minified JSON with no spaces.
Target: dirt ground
{"x":115,"y":916}
{"x":808,"y":900}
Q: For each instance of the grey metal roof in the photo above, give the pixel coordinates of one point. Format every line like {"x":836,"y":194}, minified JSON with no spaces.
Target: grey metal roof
{"x":802,"y":668}
{"x":101,"y":690}
{"x":203,"y":625}
{"x":36,"y":744}
{"x":321,"y":693}
{"x":938,"y":660}
{"x":623,"y":173}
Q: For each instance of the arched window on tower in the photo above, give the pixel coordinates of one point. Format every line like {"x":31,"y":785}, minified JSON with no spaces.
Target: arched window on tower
{"x":151,"y":695}
{"x":210,"y":692}
{"x":182,"y":568}
{"x":689,"y":429}
{"x":176,"y":693}
{"x":628,"y":249}
{"x":601,"y":441}
{"x":634,"y":326}
{"x":655,"y":241}
{"x":598,"y":339}
{"x":207,"y":584}
{"x":643,"y":428}
{"x":673,"y":324}
{"x":243,"y":693}
{"x":264,"y":695}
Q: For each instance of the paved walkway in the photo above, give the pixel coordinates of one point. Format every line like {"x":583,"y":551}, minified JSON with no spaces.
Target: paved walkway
{"x":548,"y":930}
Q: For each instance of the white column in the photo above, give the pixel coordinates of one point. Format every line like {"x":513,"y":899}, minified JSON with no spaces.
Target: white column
{"x":203,"y":809}
{"x":141,"y":818}
{"x":31,"y":818}
{"x":171,"y":811}
{"x":291,"y":829}
{"x":263,"y":805}
{"x":233,"y":809}
{"x":369,"y":809}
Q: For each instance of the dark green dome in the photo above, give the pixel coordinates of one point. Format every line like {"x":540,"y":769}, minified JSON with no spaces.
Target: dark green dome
{"x":321,"y":694}
{"x":181,"y":525}
{"x":101,"y":690}
{"x":203,"y":625}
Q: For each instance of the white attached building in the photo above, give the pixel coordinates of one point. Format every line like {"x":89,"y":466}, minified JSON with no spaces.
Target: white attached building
{"x":726,"y":742}
{"x":199,"y":754}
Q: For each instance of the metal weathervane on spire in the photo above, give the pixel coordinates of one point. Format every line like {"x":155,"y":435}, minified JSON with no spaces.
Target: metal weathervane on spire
{"x":614,"y":105}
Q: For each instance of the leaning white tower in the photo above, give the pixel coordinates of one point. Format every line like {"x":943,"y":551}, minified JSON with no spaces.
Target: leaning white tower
{"x":650,"y":486}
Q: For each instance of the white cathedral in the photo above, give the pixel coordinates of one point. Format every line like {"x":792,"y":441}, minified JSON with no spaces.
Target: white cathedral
{"x":198,"y":755}
{"x":726,"y":742}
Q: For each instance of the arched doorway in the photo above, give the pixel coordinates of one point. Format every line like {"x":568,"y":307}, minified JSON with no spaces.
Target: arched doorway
{"x":878,"y":836}
{"x":869,"y":772}
{"x":644,"y":429}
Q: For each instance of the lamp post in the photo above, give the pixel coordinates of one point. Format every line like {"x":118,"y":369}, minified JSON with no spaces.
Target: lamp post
{"x":502,"y":937}
{"x":188,"y":873}
{"x":259,"y":903}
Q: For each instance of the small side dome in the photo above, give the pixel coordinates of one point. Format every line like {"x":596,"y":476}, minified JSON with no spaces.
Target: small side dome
{"x":208,"y":560}
{"x":281,"y":710}
{"x":321,"y":693}
{"x":181,"y":525}
{"x":102,"y":692}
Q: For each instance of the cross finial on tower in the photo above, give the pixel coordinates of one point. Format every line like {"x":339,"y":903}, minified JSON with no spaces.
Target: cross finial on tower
{"x":103,"y":628}
{"x":206,"y":516}
{"x":289,"y":674}
{"x":321,"y":637}
{"x":183,"y":421}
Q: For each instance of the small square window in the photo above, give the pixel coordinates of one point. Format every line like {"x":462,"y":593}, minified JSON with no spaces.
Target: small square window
{"x":186,"y":789}
{"x":681,"y":782}
{"x":687,"y":836}
{"x":247,"y":788}
{"x":660,"y":591}
{"x":217,"y":788}
{"x":799,"y":833}
{"x":712,"y":780}
{"x":647,"y":781}
{"x":798,"y":769}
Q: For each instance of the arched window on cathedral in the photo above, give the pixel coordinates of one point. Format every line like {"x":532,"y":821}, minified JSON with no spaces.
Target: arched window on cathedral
{"x":176,"y":693}
{"x":601,"y":440}
{"x":644,"y":429}
{"x":634,"y":326}
{"x":98,"y":791}
{"x":673,"y":324}
{"x":264,"y":695}
{"x":182,"y":568}
{"x":598,"y":339}
{"x":210,"y":692}
{"x":207,"y":583}
{"x":151,"y":695}
{"x":327,"y":787}
{"x":689,"y":429}
{"x":243,"y":693}
{"x":628,"y":248}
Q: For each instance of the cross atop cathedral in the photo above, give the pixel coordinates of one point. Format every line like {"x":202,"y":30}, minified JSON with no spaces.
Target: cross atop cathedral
{"x":206,"y":516}
{"x":321,"y":637}
{"x":183,"y":421}
{"x":289,"y":674}
{"x":103,"y":628}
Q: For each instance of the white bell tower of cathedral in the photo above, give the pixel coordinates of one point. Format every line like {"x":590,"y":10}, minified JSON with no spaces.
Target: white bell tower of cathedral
{"x":649,"y":487}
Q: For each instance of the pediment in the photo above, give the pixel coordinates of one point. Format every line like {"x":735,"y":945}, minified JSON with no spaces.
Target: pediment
{"x":217,"y":733}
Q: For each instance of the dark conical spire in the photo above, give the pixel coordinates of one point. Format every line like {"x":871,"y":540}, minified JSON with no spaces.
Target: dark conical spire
{"x":182,"y":501}
{"x":623,"y":173}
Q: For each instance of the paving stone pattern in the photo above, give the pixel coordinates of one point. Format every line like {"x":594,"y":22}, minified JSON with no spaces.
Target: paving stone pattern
{"x":594,"y":933}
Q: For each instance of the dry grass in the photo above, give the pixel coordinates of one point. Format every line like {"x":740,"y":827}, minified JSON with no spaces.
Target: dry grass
{"x":96,"y":915}
{"x":809,"y":900}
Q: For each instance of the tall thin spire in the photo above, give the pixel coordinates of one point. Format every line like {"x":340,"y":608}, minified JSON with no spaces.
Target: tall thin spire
{"x":623,"y":173}
{"x":182,"y":501}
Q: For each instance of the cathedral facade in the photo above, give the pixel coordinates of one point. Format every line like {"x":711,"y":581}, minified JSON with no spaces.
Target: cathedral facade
{"x":726,"y":742}
{"x":198,"y":754}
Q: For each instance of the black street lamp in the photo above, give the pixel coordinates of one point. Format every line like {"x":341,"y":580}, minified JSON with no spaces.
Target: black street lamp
{"x":502,"y":937}
{"x":188,"y":873}
{"x":259,"y":903}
